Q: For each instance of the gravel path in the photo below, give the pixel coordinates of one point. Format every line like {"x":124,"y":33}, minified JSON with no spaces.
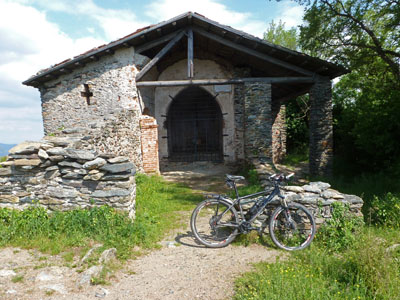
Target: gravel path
{"x":181,"y":269}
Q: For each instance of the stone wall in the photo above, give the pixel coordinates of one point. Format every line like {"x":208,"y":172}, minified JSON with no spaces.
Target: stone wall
{"x":111,"y":80}
{"x":258,"y":123}
{"x":148,"y":127}
{"x":100,"y":101}
{"x":316,"y":196}
{"x":58,"y":173}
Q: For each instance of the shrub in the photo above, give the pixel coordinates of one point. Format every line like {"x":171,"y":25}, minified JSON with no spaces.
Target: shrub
{"x":385,"y":211}
{"x":339,"y":231}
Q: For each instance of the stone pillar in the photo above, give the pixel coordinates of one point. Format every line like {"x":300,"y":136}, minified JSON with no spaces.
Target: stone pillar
{"x":238,"y":105}
{"x":321,"y":131}
{"x":258,"y":123}
{"x":149,"y":130}
{"x":278,"y":132}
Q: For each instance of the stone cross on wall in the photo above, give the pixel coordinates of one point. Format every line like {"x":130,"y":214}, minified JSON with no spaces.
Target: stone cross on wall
{"x":87,"y":94}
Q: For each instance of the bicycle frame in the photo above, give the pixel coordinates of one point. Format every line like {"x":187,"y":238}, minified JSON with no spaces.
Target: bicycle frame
{"x":263,"y":202}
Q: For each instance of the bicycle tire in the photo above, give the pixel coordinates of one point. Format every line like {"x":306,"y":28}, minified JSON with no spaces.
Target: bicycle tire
{"x":204,"y":223}
{"x":295,"y":233}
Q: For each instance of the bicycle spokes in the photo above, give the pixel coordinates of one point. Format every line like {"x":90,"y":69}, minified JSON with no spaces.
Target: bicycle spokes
{"x":292,"y":228}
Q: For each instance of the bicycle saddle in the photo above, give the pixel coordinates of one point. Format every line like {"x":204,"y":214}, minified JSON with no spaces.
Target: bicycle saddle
{"x":234,"y":177}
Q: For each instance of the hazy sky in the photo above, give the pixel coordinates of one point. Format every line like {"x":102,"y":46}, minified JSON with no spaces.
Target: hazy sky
{"x":35,"y":34}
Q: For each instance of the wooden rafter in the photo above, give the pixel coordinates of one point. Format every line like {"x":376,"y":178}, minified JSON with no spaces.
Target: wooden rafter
{"x":159,"y":55}
{"x":190,"y":53}
{"x":252,"y":52}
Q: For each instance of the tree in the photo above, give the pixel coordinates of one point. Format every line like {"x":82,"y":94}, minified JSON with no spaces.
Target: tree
{"x":364,"y":36}
{"x":350,"y":32}
{"x":277,"y":34}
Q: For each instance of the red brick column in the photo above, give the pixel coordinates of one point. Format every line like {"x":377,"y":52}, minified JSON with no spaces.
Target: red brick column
{"x":148,"y":127}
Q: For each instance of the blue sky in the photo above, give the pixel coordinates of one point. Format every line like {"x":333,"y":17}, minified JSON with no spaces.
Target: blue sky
{"x":35,"y":34}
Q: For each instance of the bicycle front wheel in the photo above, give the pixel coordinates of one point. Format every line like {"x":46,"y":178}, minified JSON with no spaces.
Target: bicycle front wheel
{"x":214,"y":223}
{"x":292,"y":228}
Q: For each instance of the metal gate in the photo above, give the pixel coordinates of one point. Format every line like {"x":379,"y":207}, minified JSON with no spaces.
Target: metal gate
{"x":195,"y":127}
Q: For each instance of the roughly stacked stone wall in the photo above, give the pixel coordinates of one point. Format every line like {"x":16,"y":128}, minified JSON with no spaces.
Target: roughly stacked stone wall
{"x":318,"y":197}
{"x":59,"y":174}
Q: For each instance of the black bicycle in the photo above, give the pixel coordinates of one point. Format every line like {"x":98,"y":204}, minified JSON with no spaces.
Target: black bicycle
{"x":215,"y":222}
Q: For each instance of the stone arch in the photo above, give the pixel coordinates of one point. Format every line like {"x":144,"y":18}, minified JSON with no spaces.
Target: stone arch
{"x":194,"y":125}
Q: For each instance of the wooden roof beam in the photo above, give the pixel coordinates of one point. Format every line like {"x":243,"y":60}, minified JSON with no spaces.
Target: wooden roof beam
{"x":225,"y":81}
{"x":159,"y":55}
{"x":252,"y":52}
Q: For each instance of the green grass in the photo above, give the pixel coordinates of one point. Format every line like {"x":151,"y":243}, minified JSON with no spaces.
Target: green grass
{"x":2,"y":159}
{"x":363,"y":271}
{"x":158,"y":211}
{"x":296,"y":156}
{"x":17,"y":278}
{"x":347,"y":260}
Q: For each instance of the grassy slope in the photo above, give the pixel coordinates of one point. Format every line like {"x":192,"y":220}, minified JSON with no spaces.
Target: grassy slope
{"x":157,"y":204}
{"x":363,"y":270}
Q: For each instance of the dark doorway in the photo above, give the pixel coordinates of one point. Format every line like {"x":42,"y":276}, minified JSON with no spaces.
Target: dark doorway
{"x":194,"y":127}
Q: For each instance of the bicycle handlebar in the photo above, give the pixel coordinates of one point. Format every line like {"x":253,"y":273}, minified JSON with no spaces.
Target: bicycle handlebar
{"x":280,"y":177}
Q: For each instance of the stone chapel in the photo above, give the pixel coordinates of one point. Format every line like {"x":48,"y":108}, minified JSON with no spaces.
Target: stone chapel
{"x":188,"y":89}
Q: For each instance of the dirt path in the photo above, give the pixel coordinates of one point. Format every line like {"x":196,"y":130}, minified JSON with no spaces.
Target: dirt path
{"x":180,"y":269}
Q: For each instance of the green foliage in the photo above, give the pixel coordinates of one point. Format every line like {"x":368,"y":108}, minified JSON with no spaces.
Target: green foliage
{"x":371,"y":187}
{"x":350,"y":32}
{"x":297,"y":124}
{"x":363,"y":36}
{"x":385,"y":211}
{"x":363,"y":271}
{"x":366,"y":114}
{"x":340,"y":231}
{"x":54,"y":232}
{"x":277,"y":34}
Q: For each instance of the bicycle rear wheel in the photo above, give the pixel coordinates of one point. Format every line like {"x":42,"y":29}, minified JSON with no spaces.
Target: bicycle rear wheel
{"x":292,"y":228}
{"x":214,"y":223}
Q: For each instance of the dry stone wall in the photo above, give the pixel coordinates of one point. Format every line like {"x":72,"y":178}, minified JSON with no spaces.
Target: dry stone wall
{"x":60,"y":174}
{"x":318,"y":197}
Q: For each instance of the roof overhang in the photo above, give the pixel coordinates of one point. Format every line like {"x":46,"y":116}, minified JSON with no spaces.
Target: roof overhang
{"x":252,"y":47}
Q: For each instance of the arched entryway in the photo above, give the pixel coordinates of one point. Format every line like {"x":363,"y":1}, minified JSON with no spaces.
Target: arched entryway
{"x":194,"y":127}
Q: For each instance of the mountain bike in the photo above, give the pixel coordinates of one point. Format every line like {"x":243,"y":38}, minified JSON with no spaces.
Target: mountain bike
{"x":216,"y":222}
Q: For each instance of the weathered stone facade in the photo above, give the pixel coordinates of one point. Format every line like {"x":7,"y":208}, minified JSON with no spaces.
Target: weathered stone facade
{"x":258,"y":123}
{"x":59,"y":174}
{"x":111,"y":81}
